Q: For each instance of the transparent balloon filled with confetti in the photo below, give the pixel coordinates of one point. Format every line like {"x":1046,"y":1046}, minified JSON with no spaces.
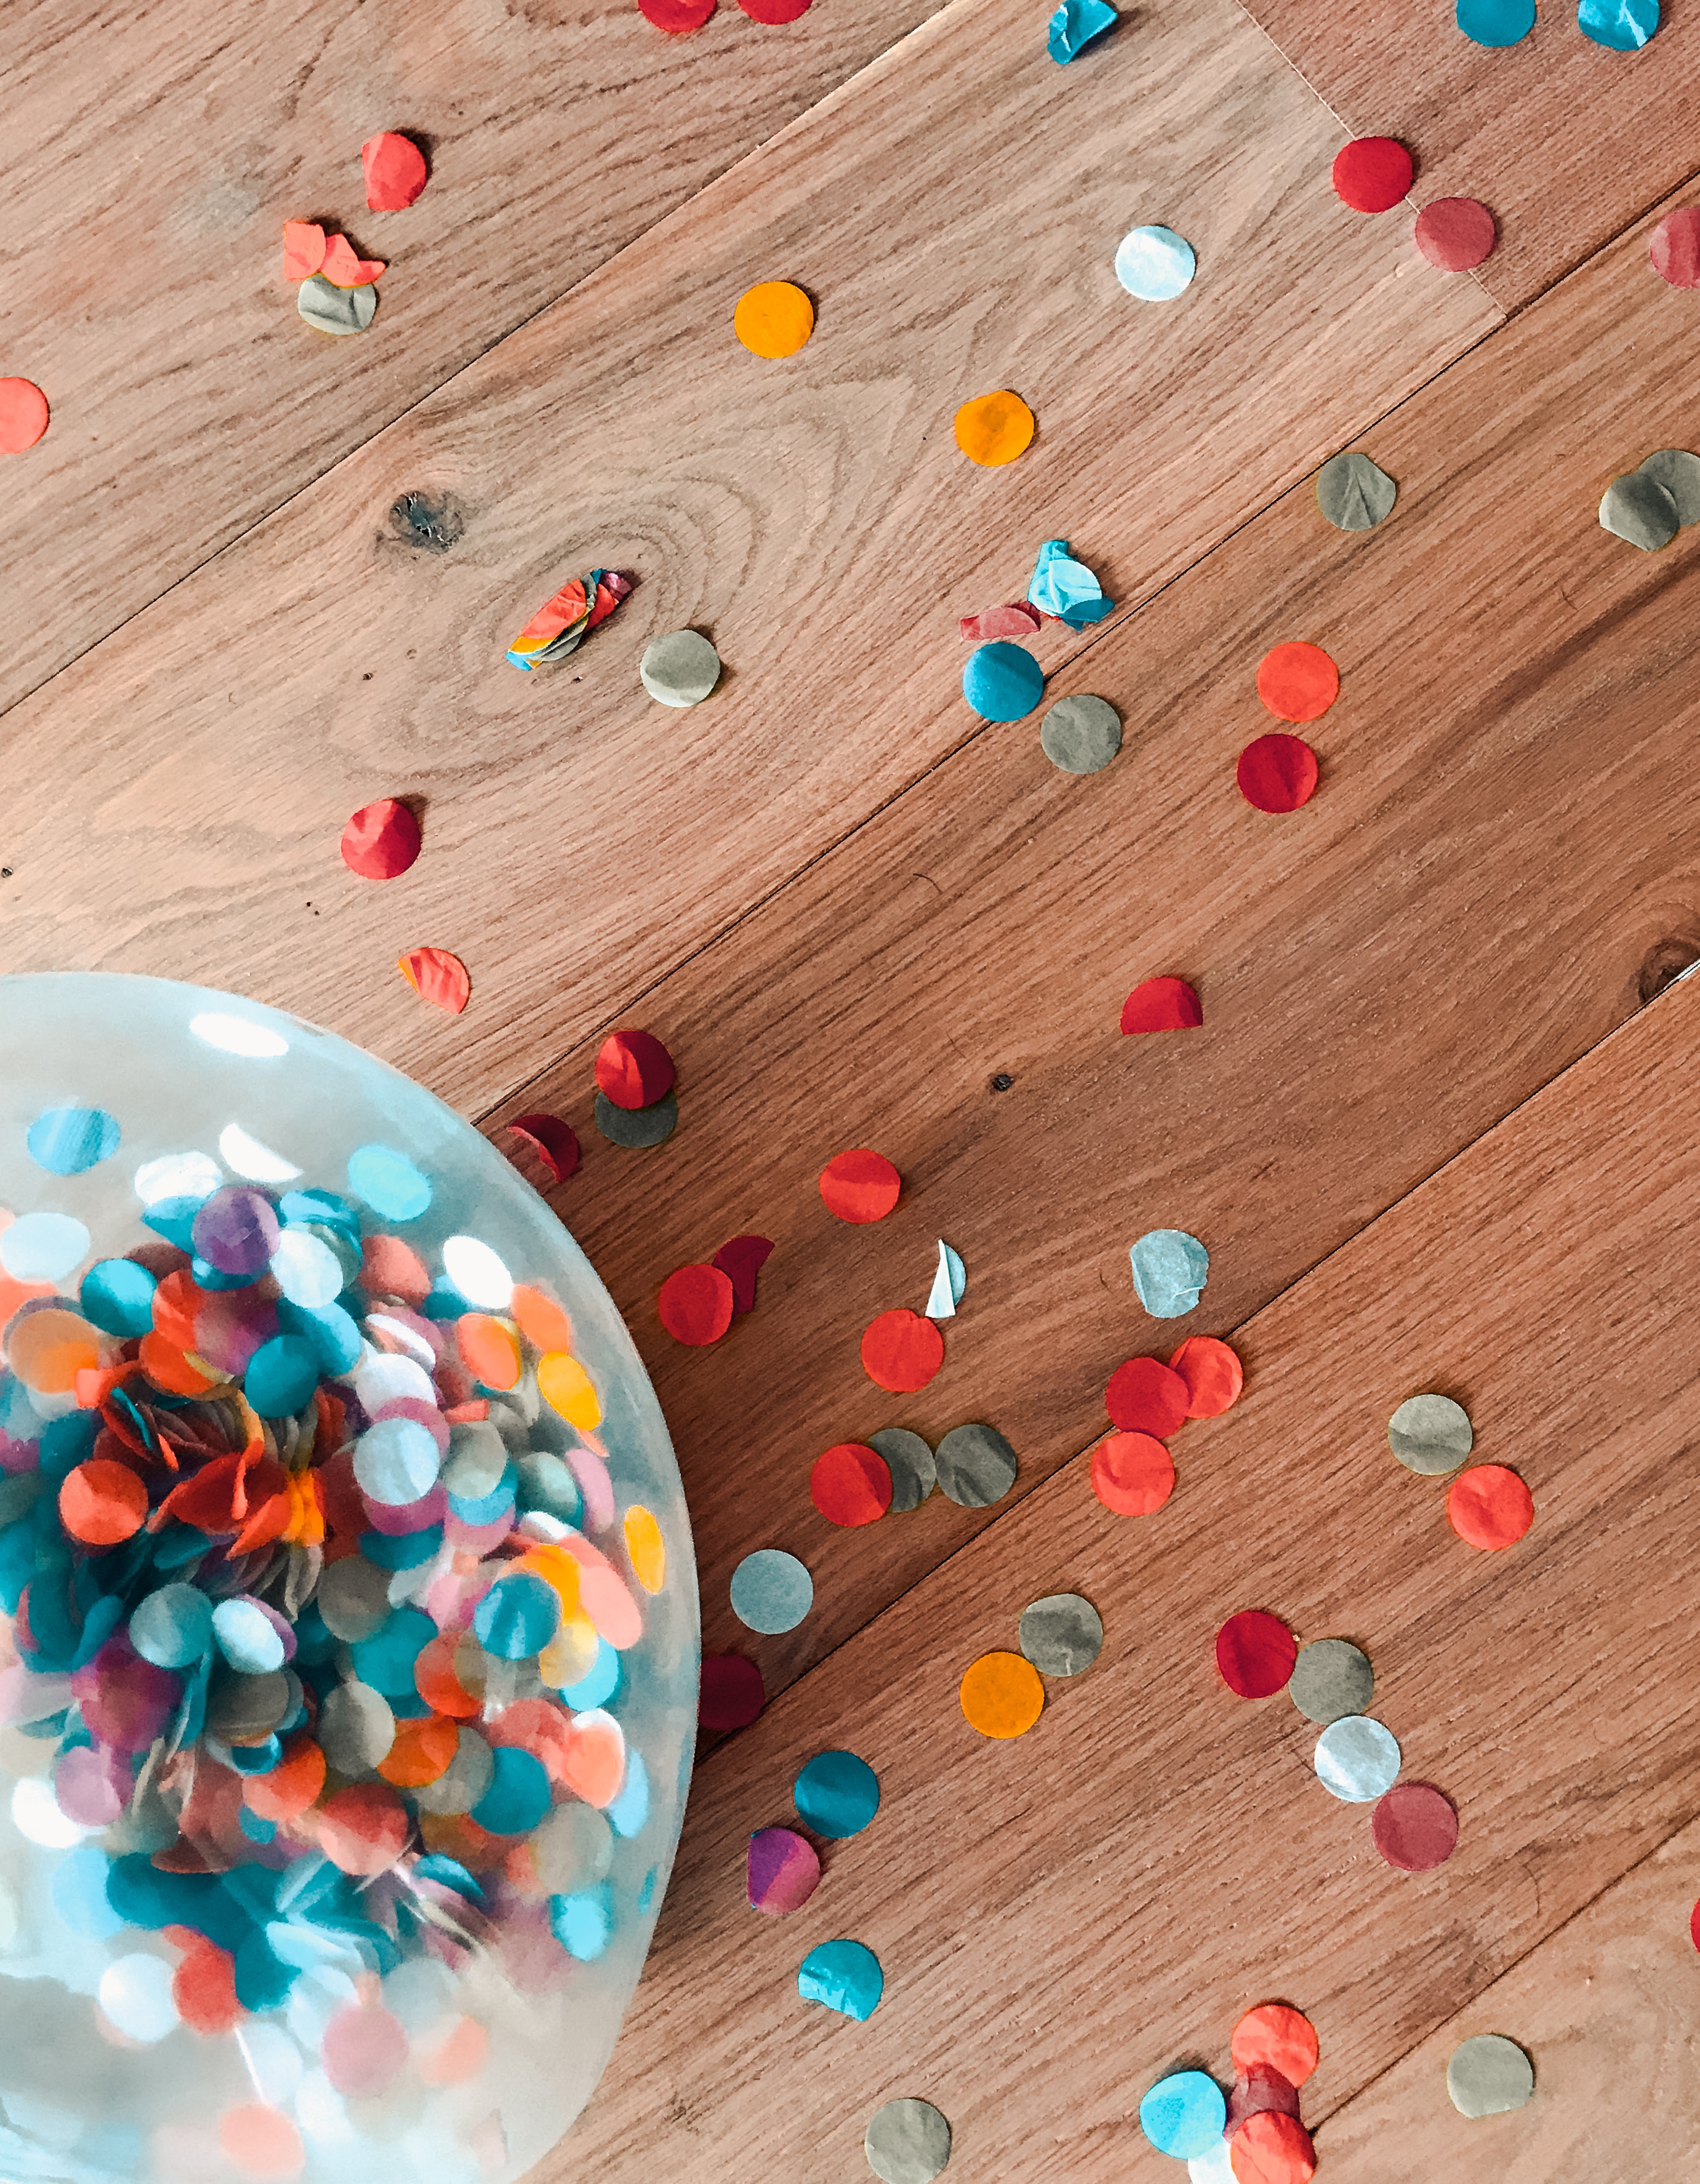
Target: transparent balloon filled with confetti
{"x":349,"y":1654}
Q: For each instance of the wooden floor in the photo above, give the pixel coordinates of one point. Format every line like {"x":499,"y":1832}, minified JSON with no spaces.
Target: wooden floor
{"x":1437,"y":1129}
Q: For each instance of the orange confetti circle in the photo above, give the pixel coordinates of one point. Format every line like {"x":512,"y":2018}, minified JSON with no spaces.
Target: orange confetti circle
{"x":901,"y":1352}
{"x":1490,"y":1505}
{"x":23,"y":414}
{"x":420,"y":1753}
{"x":1297,"y":681}
{"x":861,"y":1185}
{"x":541,"y":1320}
{"x":1002,"y":1694}
{"x":1132,"y":1473}
{"x":993,"y":429}
{"x":292,"y":1786}
{"x":1272,"y":2149}
{"x":203,"y":1987}
{"x":774,"y":319}
{"x":1279,"y":2038}
{"x":262,"y":2141}
{"x":50,"y":1348}
{"x":1213,"y":1373}
{"x":646,"y":1550}
{"x":695,"y":1305}
{"x":489,"y":1349}
{"x":101,"y":1504}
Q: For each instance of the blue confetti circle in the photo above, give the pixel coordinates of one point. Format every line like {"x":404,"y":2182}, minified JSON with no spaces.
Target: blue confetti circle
{"x":1496,"y":22}
{"x":517,"y":1617}
{"x":1155,"y":264}
{"x":281,"y":1376}
{"x":389,"y":1183}
{"x":117,"y":1296}
{"x":837,"y":1794}
{"x":1002,"y":682}
{"x":67,"y":1140}
{"x":1184,"y":2114}
{"x":519,"y":1795}
{"x":1623,"y":25}
{"x":843,"y":1975}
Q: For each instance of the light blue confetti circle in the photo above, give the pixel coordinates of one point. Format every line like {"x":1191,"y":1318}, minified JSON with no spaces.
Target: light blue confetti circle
{"x":1623,"y":25}
{"x":771,"y":1590}
{"x":396,"y":1462}
{"x":1356,"y":1758}
{"x":1496,"y":22}
{"x":67,"y":1140}
{"x":117,"y":1296}
{"x":173,"y":1626}
{"x":517,"y":1617}
{"x":1155,"y":264}
{"x":1169,"y":1271}
{"x":599,"y":1684}
{"x":1002,"y":682}
{"x":837,"y":1794}
{"x":389,"y":1183}
{"x":582,"y":1924}
{"x":248,"y":1637}
{"x":42,"y":1247}
{"x":630,"y":1809}
{"x":1184,"y":2114}
{"x":843,"y":1976}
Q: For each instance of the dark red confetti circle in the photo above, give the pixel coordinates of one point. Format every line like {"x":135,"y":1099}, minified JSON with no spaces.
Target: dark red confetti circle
{"x":1371,"y":174}
{"x":1277,"y":773}
{"x":677,"y":16}
{"x":381,"y":839}
{"x":695,"y":1305}
{"x":774,"y":11}
{"x":1255,"y":1654}
{"x":555,"y":1143}
{"x":1415,"y":1827}
{"x":1145,"y":1396}
{"x":741,"y":1260}
{"x":732,"y":1693}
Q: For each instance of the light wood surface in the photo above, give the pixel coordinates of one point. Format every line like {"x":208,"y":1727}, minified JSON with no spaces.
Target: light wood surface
{"x":1063,"y":1917}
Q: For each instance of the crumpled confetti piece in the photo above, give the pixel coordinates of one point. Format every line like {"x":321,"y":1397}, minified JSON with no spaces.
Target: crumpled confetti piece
{"x":561,"y":625}
{"x":395,"y":170}
{"x":1065,"y":587}
{"x":382,"y":841}
{"x":741,"y":1260}
{"x":437,"y":977}
{"x":1169,"y":1271}
{"x":1162,"y":1004}
{"x":1623,"y":25}
{"x":948,"y":1284}
{"x":1075,"y":26}
{"x":1018,"y":620}
{"x":328,"y":310}
{"x":303,"y":248}
{"x":555,"y":1143}
{"x":344,"y":268}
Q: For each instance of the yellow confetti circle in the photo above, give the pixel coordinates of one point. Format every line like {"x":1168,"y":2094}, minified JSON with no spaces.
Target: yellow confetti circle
{"x":774,"y":320}
{"x":1002,"y":1694}
{"x":994,"y":428}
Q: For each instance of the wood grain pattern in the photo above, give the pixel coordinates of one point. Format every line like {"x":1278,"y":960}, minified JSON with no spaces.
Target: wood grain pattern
{"x":153,"y":157}
{"x":1497,"y":870}
{"x":814,"y":518}
{"x":1565,"y":142}
{"x":1062,"y":1918}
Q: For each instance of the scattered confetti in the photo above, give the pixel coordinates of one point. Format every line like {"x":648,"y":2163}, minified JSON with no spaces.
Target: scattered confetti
{"x":1277,"y":773}
{"x":909,"y":1460}
{"x":850,"y":1485}
{"x":1490,"y":1507}
{"x":1002,"y":682}
{"x":1354,"y":493}
{"x":902,"y":1350}
{"x":561,"y":624}
{"x":328,"y":310}
{"x":1430,"y":1434}
{"x":636,"y":1128}
{"x":994,"y":429}
{"x":1018,"y":620}
{"x":1372,"y":173}
{"x":1623,"y":25}
{"x":676,"y":16}
{"x":695,"y":1305}
{"x":732,"y":1693}
{"x":772,"y":320}
{"x":382,"y":841}
{"x":908,"y":2141}
{"x":680,"y":668}
{"x":554,"y":1142}
{"x":1489,"y":2075}
{"x":1496,"y":22}
{"x":1155,"y":264}
{"x":1213,"y":1373}
{"x":1456,"y":234}
{"x":1061,"y":1634}
{"x":1255,"y":1654}
{"x":437,"y":977}
{"x":1145,"y":1396}
{"x":1002,"y":1695}
{"x":1415,"y":1827}
{"x":1183,"y":2114}
{"x":1357,"y":1759}
{"x":1081,"y":735}
{"x":771,"y":1590}
{"x":1637,"y":508}
{"x":861,"y":1185}
{"x":303,"y":248}
{"x":1272,"y":2149}
{"x":395,"y":170}
{"x":1672,"y":247}
{"x":741,"y":1260}
{"x":783,"y":1871}
{"x":1132,"y":1473}
{"x":975,"y":1465}
{"x":1679,"y":472}
{"x":1074,"y":26}
{"x":949,"y":1282}
{"x":843,"y":1976}
{"x":837,"y":1795}
{"x":1274,"y":2037}
{"x":1297,"y":681}
{"x":1162,"y":1004}
{"x":23,"y":414}
{"x":1331,"y":1679}
{"x":1169,"y":1271}
{"x":1065,"y":589}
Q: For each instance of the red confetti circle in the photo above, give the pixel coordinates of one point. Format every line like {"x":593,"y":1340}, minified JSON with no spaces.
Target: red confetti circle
{"x":395,"y":170}
{"x":1162,"y":1004}
{"x":1274,"y":2037}
{"x":23,"y":414}
{"x":1694,"y":1926}
{"x":774,"y":11}
{"x":1145,"y":1396}
{"x":1297,"y":681}
{"x":1372,"y":173}
{"x":364,"y":1828}
{"x":1255,"y":1654}
{"x":675,"y":17}
{"x":901,"y":1352}
{"x":732,"y":1693}
{"x":695,"y":1305}
{"x":1456,"y":233}
{"x":851,"y":1484}
{"x":438,"y":978}
{"x":1415,"y":1827}
{"x":1132,"y":1473}
{"x":861,"y":1185}
{"x":381,"y":839}
{"x":1673,"y":247}
{"x":1213,"y":1373}
{"x":1272,"y":2149}
{"x":1490,"y":1507}
{"x":634,"y":1069}
{"x":101,"y":1504}
{"x":1277,"y":773}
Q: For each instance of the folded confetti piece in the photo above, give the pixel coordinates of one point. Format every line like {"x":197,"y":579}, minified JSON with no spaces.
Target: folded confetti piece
{"x":303,"y":248}
{"x":1169,"y":1271}
{"x":1162,"y":1004}
{"x":742,"y":1259}
{"x":1018,"y":620}
{"x":843,"y":1975}
{"x":634,"y":1069}
{"x":555,"y":1143}
{"x":396,"y":172}
{"x":437,"y":977}
{"x":343,"y":268}
{"x":1673,"y":247}
{"x":1623,"y":25}
{"x":1066,"y":588}
{"x":948,"y":1284}
{"x":1354,"y":493}
{"x":1637,"y":508}
{"x":1075,"y":26}
{"x":1679,"y":473}
{"x":560,"y":625}
{"x":382,"y":841}
{"x":783,"y":1871}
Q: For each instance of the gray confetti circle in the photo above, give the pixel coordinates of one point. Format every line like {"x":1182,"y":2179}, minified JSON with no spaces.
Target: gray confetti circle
{"x":1062,"y":1634}
{"x":636,"y":1128}
{"x":910,"y":1462}
{"x":680,"y":668}
{"x":1489,"y":2075}
{"x":908,"y":2142}
{"x":1354,"y":493}
{"x":1430,"y":1434}
{"x":334,"y":310}
{"x":1331,"y":1679}
{"x":1638,"y":508}
{"x":1081,"y":735}
{"x":976,"y":1466}
{"x":1679,"y":473}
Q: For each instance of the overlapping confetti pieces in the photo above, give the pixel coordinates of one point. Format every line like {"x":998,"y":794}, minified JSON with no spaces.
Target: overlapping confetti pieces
{"x":1372,"y":173}
{"x":555,"y":1143}
{"x":1456,"y":234}
{"x":680,"y":668}
{"x":336,"y":294}
{"x":382,"y":841}
{"x":1673,"y":248}
{"x":994,"y":429}
{"x":1081,"y":735}
{"x":1354,"y":493}
{"x":437,"y":977}
{"x":1489,"y":2075}
{"x":22,"y":416}
{"x":741,"y":1259}
{"x":1074,"y":26}
{"x":1002,"y":1694}
{"x":860,"y":1185}
{"x":677,"y":17}
{"x":561,"y":624}
{"x":1017,"y":620}
{"x":634,"y":1102}
{"x":774,"y":319}
{"x":908,"y":2141}
{"x":1155,"y":264}
{"x":1162,"y":1004}
{"x":910,"y":1459}
{"x":395,"y":170}
{"x":1132,"y":1471}
{"x":1649,"y":506}
{"x":1066,"y":588}
{"x":851,"y":1484}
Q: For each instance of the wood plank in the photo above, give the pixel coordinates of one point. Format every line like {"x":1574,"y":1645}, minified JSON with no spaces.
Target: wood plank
{"x":1567,"y":143}
{"x":816,"y":517}
{"x":1497,"y":869}
{"x":1062,"y":1918}
{"x":1605,"y":2010}
{"x":152,"y":160}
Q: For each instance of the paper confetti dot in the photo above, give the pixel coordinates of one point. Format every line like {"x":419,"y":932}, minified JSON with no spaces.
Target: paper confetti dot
{"x":907,"y":2141}
{"x":1020,"y":618}
{"x":636,"y":1128}
{"x":263,"y":2143}
{"x":103,"y":1503}
{"x":902,"y":1350}
{"x":344,"y":268}
{"x":771,"y":1590}
{"x":1132,"y":1473}
{"x":1255,"y":1654}
{"x":1496,"y":22}
{"x":1275,"y":2037}
{"x":910,"y":1459}
{"x":861,"y":1185}
{"x":1272,"y":2149}
{"x":1623,"y":26}
{"x":741,"y":1260}
{"x":436,"y":977}
{"x":1638,"y":509}
{"x":1277,"y":773}
{"x":695,"y":1305}
{"x":1002,"y":1694}
{"x":843,"y":1976}
{"x":1145,"y":1396}
{"x":975,"y":1465}
{"x":1169,"y":1271}
{"x":850,"y":1485}
{"x":1354,"y":493}
{"x":1489,"y":2075}
{"x":1061,"y":1634}
{"x":1456,"y":234}
{"x":330,"y":310}
{"x":950,"y":1279}
{"x":772,"y":320}
{"x":1331,"y":1679}
{"x":1074,"y":26}
{"x":732,"y":1693}
{"x":837,"y":1794}
{"x":1081,"y":735}
{"x":1673,"y":247}
{"x":1490,"y":1507}
{"x":994,"y":429}
{"x":1679,"y":472}
{"x":71,"y":1140}
{"x":676,"y":16}
{"x":1415,"y":1827}
{"x":1002,"y":682}
{"x":773,"y":12}
{"x":1183,"y":2114}
{"x":1162,"y":1004}
{"x":43,"y":1247}
{"x":782,"y":1871}
{"x":554,"y":1142}
{"x":1212,"y":2168}
{"x":1430,"y":1434}
{"x":1213,"y":1373}
{"x":1297,"y":681}
{"x":382,"y":841}
{"x":22,"y":416}
{"x":1357,"y":1759}
{"x":395,"y":170}
{"x":1372,"y":173}
{"x":680,"y":668}
{"x":1154,"y":263}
